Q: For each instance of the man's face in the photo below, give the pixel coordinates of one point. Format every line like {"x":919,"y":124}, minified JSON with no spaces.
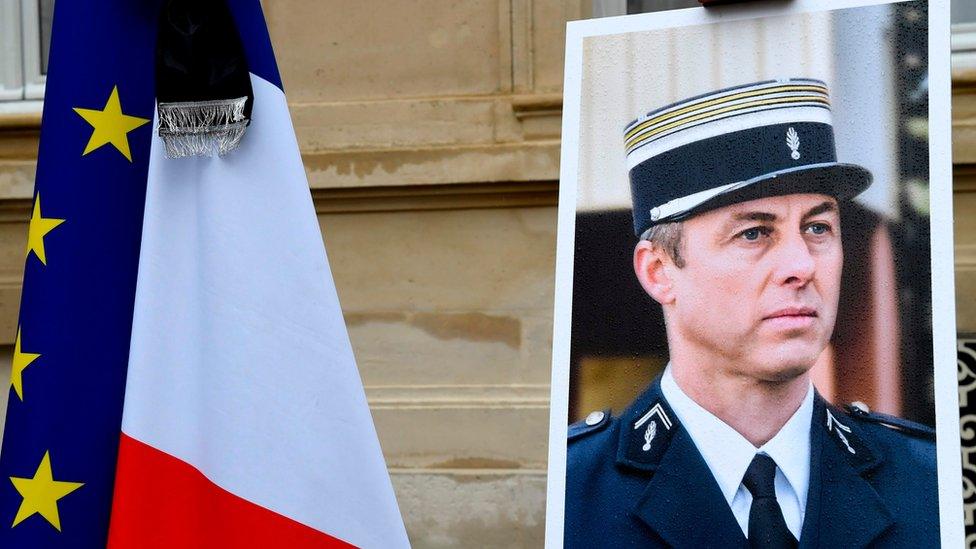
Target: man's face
{"x":759,"y":289}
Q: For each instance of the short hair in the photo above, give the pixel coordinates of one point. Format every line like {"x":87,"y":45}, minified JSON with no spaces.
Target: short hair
{"x":667,"y":236}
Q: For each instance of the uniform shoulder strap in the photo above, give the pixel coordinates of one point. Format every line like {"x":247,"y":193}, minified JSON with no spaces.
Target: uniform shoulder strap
{"x":859,"y":411}
{"x":596,"y":421}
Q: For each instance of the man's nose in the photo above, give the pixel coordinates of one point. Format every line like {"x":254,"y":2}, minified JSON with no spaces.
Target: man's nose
{"x":795,"y":265}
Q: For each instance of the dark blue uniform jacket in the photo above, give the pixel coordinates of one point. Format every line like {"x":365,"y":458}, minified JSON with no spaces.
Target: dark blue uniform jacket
{"x":872,"y":483}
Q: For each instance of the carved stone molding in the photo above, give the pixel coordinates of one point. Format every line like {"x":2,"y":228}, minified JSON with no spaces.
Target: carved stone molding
{"x":458,"y":396}
{"x":436,"y":197}
{"x":964,"y":178}
{"x":966,"y":365}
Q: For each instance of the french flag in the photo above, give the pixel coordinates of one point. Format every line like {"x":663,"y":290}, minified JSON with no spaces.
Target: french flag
{"x":182,"y":375}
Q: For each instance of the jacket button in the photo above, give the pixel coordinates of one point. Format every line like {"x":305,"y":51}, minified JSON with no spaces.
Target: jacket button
{"x":860,"y":407}
{"x":594,"y":418}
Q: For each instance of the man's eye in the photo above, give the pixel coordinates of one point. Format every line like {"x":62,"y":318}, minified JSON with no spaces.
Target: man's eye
{"x":754,"y":233}
{"x":819,"y":228}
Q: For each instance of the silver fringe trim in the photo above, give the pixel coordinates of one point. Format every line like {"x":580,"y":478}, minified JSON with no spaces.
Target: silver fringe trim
{"x":200,"y":128}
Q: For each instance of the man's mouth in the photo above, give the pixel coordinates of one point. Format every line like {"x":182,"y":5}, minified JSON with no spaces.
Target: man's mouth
{"x":791,"y":318}
{"x":792,"y":311}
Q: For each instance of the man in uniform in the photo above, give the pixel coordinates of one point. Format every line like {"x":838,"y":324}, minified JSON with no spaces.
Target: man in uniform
{"x":736,"y":201}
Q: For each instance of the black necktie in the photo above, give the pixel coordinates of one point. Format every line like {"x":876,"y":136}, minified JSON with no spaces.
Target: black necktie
{"x":767,"y":528}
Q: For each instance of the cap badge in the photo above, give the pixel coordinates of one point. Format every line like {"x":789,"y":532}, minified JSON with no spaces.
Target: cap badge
{"x":793,"y":142}
{"x":840,"y":429}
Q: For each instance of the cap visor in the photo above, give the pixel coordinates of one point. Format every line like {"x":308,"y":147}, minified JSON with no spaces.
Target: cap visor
{"x":842,"y":181}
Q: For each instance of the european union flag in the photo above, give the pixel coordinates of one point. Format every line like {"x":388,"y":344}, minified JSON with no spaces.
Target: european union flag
{"x":72,"y":345}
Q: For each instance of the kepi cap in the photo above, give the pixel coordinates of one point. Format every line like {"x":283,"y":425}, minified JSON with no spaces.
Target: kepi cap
{"x":764,"y":139}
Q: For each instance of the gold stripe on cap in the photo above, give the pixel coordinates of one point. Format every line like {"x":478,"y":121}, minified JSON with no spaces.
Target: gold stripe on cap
{"x":648,"y":136}
{"x":705,"y":103}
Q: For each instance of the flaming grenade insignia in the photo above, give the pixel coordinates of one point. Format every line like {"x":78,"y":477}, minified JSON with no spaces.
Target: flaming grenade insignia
{"x":793,"y":142}
{"x":649,"y":435}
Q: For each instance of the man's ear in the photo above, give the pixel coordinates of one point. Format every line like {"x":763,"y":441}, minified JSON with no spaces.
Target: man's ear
{"x":652,"y":264}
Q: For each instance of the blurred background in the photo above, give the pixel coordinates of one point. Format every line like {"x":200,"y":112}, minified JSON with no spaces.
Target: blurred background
{"x":430,"y":135}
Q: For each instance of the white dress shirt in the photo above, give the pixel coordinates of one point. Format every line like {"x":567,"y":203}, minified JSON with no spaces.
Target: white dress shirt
{"x":728,"y":455}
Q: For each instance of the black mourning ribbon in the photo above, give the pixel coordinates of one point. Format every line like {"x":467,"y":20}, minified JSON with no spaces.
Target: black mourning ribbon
{"x":767,"y":527}
{"x":199,"y":55}
{"x":203,"y":85}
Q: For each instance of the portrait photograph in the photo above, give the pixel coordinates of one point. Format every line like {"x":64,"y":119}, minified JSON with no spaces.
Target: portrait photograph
{"x":754,"y":316}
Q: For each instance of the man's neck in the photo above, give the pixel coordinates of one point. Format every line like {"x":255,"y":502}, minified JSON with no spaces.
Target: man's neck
{"x":756,"y":409}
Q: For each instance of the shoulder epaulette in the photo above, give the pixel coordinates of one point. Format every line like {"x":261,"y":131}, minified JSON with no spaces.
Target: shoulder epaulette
{"x":593,"y":423}
{"x":861,"y":412}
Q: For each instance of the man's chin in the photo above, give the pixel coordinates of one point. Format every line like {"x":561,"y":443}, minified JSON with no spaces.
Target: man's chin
{"x":788,"y":363}
{"x":784,"y":373}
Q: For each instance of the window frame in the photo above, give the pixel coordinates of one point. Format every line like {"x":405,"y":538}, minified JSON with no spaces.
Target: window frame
{"x":21,"y":79}
{"x":11,"y":57}
{"x":34,"y":79}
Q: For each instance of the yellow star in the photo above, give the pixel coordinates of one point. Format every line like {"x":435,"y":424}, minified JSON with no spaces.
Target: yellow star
{"x":39,"y":227}
{"x":41,"y":494}
{"x":21,"y":361}
{"x":111,"y":126}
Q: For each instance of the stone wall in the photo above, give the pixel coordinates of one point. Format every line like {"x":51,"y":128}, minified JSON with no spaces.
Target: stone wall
{"x":430,"y":136}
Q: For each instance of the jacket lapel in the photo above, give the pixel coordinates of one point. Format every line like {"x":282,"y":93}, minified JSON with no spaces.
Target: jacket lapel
{"x":843,"y":509}
{"x":685,"y":507}
{"x":682,"y":502}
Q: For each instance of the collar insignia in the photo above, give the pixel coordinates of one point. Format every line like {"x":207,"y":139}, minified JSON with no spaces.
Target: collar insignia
{"x":651,"y":431}
{"x":839,"y":429}
{"x":848,"y":436}
{"x":656,"y":410}
{"x":644,"y":438}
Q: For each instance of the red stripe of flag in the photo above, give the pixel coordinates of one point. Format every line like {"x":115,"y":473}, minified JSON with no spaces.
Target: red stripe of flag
{"x":161,"y":501}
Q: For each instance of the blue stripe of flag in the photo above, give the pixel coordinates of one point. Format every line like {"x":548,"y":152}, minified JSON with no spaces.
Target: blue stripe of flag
{"x":77,"y":310}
